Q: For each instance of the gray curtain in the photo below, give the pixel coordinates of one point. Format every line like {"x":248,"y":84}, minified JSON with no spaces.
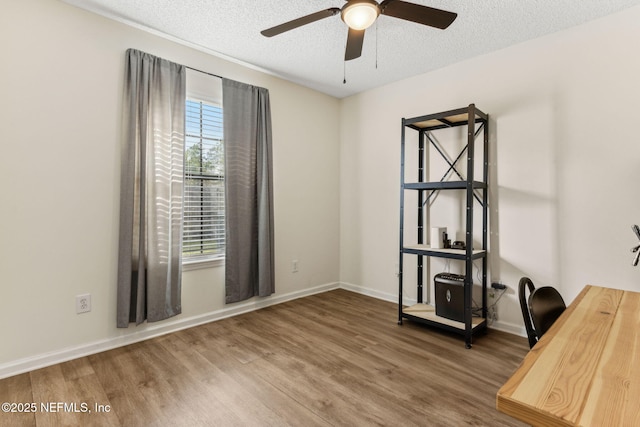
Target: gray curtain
{"x":249,"y":263}
{"x":149,"y":260}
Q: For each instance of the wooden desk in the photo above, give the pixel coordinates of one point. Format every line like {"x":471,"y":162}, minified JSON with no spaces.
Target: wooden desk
{"x":585,"y":371}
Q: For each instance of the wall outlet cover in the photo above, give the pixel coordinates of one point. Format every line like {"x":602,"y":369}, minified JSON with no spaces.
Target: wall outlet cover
{"x":83,"y":303}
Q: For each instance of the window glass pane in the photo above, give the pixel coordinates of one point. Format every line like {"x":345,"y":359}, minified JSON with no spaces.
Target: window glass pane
{"x":204,"y":232}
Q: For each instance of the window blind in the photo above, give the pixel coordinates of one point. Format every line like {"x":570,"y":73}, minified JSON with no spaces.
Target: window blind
{"x":204,"y":221}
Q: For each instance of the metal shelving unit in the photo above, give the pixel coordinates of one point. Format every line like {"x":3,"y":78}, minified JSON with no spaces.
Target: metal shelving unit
{"x":476,"y":123}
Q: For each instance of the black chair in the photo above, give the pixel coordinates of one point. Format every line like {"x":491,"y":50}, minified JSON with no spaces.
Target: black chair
{"x":540,"y":310}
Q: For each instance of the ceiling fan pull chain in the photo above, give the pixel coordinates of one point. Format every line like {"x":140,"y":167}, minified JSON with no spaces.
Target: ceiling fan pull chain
{"x":344,"y":72}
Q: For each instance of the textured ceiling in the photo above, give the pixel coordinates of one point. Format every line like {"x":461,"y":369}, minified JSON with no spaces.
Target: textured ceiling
{"x":312,"y":55}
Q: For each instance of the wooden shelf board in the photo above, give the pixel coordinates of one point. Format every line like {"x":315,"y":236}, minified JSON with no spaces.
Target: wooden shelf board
{"x":428,"y":312}
{"x":445,"y":119}
{"x":444,"y":185}
{"x":456,"y":119}
{"x":444,"y":251}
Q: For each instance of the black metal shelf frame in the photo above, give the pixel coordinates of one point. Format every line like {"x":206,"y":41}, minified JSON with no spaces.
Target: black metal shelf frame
{"x":477,"y":123}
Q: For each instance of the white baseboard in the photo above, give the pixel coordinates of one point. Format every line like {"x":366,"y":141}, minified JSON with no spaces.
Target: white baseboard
{"x":509,"y":328}
{"x":47,"y":359}
{"x":369,"y":292}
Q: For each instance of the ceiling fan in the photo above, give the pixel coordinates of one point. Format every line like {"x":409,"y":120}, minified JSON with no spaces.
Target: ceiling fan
{"x":361,"y":14}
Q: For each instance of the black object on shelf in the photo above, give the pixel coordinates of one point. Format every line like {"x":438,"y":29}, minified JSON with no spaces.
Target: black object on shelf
{"x":476,"y":123}
{"x":449,"y":292}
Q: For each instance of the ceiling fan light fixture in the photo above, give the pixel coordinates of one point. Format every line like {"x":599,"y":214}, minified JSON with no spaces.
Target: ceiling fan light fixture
{"x":361,"y":14}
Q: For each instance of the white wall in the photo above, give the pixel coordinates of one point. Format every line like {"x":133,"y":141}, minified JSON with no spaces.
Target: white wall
{"x":565,"y":161}
{"x":61,"y":90}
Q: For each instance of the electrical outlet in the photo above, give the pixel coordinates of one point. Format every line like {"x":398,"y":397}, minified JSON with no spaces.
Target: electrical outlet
{"x":294,"y":266}
{"x":83,"y":303}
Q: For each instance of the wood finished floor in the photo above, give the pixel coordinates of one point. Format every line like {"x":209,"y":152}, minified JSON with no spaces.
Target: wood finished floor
{"x":332,"y":359}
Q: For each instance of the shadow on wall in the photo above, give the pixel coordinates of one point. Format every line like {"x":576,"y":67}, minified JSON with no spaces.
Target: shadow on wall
{"x":524,"y":154}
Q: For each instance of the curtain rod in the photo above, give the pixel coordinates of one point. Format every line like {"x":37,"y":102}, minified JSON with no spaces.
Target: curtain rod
{"x":204,"y":72}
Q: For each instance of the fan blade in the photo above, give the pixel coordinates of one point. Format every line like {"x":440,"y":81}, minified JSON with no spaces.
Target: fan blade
{"x":278,"y":29}
{"x":354,"y":44}
{"x":417,"y":13}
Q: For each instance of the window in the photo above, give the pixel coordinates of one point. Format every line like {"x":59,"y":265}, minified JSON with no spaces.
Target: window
{"x":204,"y":221}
